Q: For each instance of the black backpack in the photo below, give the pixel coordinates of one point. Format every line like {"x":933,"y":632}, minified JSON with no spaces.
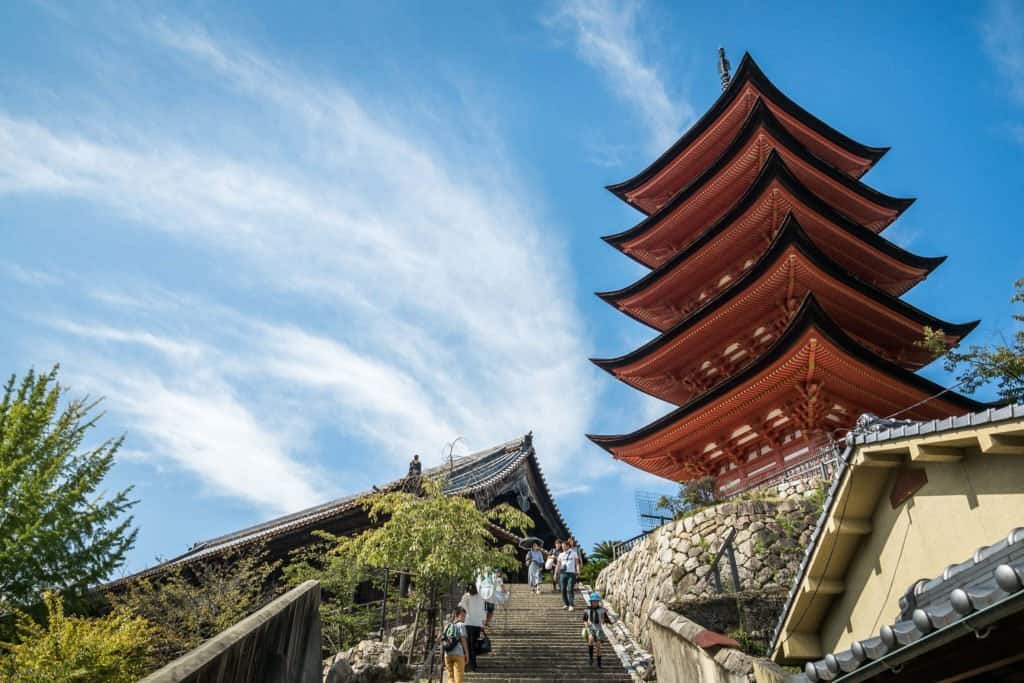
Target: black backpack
{"x":450,"y":640}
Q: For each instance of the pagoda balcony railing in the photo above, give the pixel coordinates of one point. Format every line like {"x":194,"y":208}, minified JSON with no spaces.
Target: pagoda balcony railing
{"x":821,"y":464}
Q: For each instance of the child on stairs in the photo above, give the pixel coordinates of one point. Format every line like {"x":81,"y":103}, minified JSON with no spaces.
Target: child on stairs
{"x":595,"y":616}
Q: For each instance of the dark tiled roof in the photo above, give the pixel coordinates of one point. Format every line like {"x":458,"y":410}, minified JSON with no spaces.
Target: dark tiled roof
{"x":993,"y":574}
{"x":469,"y":474}
{"x":908,"y":428}
{"x":871,"y":430}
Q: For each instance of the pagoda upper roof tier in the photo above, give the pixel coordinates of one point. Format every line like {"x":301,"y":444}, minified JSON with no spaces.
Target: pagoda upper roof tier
{"x":709,"y":136}
{"x":813,"y":379}
{"x":711,"y":195}
{"x":744,"y":232}
{"x":734,"y":327}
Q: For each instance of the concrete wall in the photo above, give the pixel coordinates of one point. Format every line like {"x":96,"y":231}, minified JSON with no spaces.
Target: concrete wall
{"x":964,"y":505}
{"x":679,"y":659}
{"x":278,"y":644}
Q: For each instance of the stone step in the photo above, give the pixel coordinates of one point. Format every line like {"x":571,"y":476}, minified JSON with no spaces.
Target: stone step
{"x":535,"y":640}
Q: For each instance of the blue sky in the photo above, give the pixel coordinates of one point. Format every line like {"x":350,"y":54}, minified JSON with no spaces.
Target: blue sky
{"x":292,"y":246}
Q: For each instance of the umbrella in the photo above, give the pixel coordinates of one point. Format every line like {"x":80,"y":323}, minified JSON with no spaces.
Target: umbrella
{"x":528,"y":542}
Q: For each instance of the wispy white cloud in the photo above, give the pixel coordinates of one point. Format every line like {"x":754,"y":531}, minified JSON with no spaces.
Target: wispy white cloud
{"x":607,"y":37}
{"x":425,"y":297}
{"x":100,"y":332}
{"x":29,"y":276}
{"x":1002,"y":30}
{"x":202,"y":426}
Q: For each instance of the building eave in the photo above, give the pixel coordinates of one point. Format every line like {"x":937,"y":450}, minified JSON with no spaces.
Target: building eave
{"x":747,"y":71}
{"x":894,"y":443}
{"x":776,"y":170}
{"x":760,"y":117}
{"x":524,"y":456}
{"x":810,"y":314}
{"x":790,"y":234}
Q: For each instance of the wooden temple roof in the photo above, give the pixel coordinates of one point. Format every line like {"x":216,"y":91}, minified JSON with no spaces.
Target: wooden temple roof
{"x":697,"y":206}
{"x":706,"y":139}
{"x":813,"y":378}
{"x":511,"y":468}
{"x":728,"y":329}
{"x":748,"y":227}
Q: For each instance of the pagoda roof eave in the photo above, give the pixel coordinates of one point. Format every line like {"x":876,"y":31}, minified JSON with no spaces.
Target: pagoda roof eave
{"x":790,"y":234}
{"x":748,"y":71}
{"x":760,"y":117}
{"x":810,"y":314}
{"x":776,"y":170}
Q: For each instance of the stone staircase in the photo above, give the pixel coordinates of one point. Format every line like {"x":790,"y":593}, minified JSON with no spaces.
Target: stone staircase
{"x":536,"y":641}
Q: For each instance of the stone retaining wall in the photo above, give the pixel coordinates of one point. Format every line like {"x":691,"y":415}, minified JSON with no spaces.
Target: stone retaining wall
{"x":672,"y":565}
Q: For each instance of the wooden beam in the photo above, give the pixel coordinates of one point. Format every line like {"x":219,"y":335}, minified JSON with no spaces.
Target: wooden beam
{"x":823,"y":586}
{"x":850,"y":527}
{"x":922,"y":452}
{"x":875,"y":459}
{"x":801,"y":645}
{"x":886,"y":449}
{"x":1000,"y":444}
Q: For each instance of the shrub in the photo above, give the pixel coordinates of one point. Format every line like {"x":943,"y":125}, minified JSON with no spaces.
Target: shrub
{"x":184,"y":609}
{"x":70,"y":649}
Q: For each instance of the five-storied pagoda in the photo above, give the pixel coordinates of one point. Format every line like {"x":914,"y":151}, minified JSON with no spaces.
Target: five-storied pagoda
{"x":775,"y":298}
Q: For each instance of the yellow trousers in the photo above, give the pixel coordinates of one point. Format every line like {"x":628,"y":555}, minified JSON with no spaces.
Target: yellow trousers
{"x":455,"y":665}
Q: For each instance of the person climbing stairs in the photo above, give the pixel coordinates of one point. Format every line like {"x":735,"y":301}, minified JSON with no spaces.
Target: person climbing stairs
{"x":535,"y":640}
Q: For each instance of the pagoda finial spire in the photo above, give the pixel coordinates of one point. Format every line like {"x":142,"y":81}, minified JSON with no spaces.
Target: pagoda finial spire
{"x":723,"y":68}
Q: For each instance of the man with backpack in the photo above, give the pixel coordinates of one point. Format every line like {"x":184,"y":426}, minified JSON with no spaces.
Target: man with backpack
{"x":455,"y":642}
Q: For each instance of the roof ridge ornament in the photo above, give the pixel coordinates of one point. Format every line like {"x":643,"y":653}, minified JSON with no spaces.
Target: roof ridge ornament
{"x":723,"y":68}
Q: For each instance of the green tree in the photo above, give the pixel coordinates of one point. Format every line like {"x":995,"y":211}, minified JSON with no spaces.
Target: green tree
{"x":693,"y":495}
{"x":604,"y":551}
{"x":602,"y":555}
{"x":439,"y":538}
{"x":984,"y":364}
{"x":186,"y":606}
{"x":57,"y":531}
{"x":70,"y":649}
{"x":343,"y":622}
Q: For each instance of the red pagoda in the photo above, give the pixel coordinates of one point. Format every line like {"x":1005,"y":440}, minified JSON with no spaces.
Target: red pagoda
{"x":775,"y":298}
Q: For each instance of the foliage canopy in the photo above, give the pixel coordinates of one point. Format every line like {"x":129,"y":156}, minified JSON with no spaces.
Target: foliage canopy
{"x":693,"y":495}
{"x":70,"y":649}
{"x":343,"y":622}
{"x":983,"y":364}
{"x":57,"y":532}
{"x":440,"y":538}
{"x":186,"y":607}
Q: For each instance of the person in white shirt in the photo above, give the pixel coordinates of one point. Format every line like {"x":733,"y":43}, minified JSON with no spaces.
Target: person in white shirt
{"x":569,"y":567}
{"x":473,"y":603}
{"x":555,"y":557}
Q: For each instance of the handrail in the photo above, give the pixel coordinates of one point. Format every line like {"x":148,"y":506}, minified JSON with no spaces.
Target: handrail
{"x":620,"y":549}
